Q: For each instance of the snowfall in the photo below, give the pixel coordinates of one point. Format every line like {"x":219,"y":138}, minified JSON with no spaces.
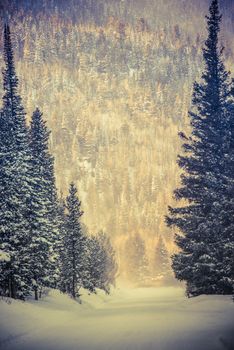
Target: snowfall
{"x":141,"y":318}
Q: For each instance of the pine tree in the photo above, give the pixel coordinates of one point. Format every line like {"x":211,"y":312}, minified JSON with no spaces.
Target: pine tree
{"x":102,"y":263}
{"x":161,"y":261}
{"x":110,"y":261}
{"x":137,"y":262}
{"x":14,"y":183}
{"x":43,"y":228}
{"x":44,"y":167}
{"x":38,"y":250}
{"x":206,"y":221}
{"x":60,"y":246}
{"x":96,"y":263}
{"x":228,"y":202}
{"x":75,"y":248}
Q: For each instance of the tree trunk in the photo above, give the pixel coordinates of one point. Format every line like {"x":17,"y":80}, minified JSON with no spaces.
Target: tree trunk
{"x":10,"y":288}
{"x":36,"y":293}
{"x":12,"y":291}
{"x":13,"y":288}
{"x":73,"y":287}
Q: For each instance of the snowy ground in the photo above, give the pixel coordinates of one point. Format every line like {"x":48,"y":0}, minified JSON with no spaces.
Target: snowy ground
{"x":150,"y":318}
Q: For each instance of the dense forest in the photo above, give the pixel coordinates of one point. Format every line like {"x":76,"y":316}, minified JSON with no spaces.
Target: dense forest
{"x":114,"y":81}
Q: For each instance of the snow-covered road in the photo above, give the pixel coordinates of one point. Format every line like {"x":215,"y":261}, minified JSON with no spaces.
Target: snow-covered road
{"x":144,"y":319}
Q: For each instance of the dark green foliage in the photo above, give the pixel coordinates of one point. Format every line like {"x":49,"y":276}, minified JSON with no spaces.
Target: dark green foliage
{"x":28,"y":203}
{"x":206,"y":222}
{"x":87,"y":262}
{"x":15,"y":182}
{"x":60,"y":245}
{"x":43,"y":206}
{"x":42,"y":242}
{"x":74,"y":251}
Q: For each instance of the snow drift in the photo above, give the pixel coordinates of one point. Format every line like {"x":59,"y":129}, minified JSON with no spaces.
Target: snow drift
{"x":131,"y":319}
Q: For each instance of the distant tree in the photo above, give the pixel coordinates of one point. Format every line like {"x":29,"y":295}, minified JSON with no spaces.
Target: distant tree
{"x":15,"y":183}
{"x":136,"y":259}
{"x":142,"y":25}
{"x":206,"y":222}
{"x":111,"y":266}
{"x":162,"y":264}
{"x":96,"y":263}
{"x":102,"y":262}
{"x":177,"y":33}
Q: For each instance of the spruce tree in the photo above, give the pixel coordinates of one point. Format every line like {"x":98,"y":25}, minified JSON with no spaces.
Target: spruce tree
{"x":60,"y":246}
{"x":162,"y":261}
{"x":15,"y":185}
{"x":96,"y":264}
{"x":40,"y":139}
{"x":136,"y":260}
{"x":38,"y":250}
{"x":102,"y":263}
{"x":206,"y":220}
{"x":111,"y":266}
{"x":75,"y":248}
{"x":43,"y":228}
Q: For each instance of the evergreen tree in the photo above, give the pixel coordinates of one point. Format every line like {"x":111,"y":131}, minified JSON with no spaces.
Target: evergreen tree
{"x":136,"y":259}
{"x":43,"y":227}
{"x":110,"y":261}
{"x":206,"y":221}
{"x":15,"y":185}
{"x":161,"y":261}
{"x":60,"y":246}
{"x":75,"y":247}
{"x":38,"y":250}
{"x":102,"y":263}
{"x":96,"y":263}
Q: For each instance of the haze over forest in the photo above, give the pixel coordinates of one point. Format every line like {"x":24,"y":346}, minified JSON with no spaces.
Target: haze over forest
{"x":114,"y":82}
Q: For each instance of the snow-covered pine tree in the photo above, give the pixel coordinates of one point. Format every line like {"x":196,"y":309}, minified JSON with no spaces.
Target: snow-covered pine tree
{"x":102,"y":262}
{"x":226,"y":248}
{"x":75,"y":247}
{"x":42,"y":208}
{"x":96,"y":263}
{"x":230,"y":190}
{"x":162,"y":266}
{"x":60,"y":246}
{"x":136,"y":259}
{"x":206,"y":221}
{"x":15,"y":185}
{"x":111,"y":266}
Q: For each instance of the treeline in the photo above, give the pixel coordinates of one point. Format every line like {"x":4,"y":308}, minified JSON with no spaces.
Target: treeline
{"x":145,"y":267}
{"x":134,"y":86}
{"x":98,"y":12}
{"x":42,"y":241}
{"x":115,"y":90}
{"x":132,"y":79}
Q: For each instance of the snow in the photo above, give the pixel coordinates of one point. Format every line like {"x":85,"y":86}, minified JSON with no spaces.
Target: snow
{"x":4,"y":257}
{"x":128,"y":319}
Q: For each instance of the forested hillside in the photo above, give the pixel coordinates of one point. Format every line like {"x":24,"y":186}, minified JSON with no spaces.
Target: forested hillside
{"x":114,"y":82}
